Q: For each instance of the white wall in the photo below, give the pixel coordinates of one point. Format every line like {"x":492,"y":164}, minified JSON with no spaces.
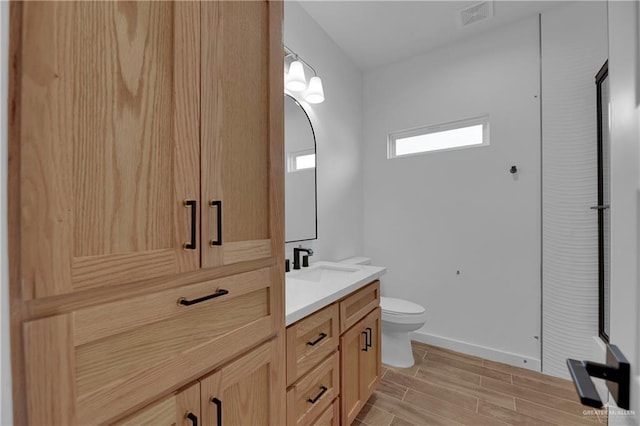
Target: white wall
{"x":427,"y":217}
{"x":574,"y":48}
{"x":6,"y":408}
{"x":624,"y":73}
{"x":337,"y":124}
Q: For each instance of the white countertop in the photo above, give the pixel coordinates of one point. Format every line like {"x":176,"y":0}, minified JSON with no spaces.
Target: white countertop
{"x":306,"y":294}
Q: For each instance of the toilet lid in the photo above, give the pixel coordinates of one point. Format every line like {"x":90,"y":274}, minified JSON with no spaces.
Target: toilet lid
{"x":400,"y":306}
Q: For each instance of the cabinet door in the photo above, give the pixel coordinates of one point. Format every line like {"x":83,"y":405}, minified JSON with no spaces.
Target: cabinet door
{"x":352,"y":399}
{"x":181,"y":409}
{"x":242,"y":131}
{"x":109,"y":142}
{"x":246,"y":392}
{"x":361,"y":364}
{"x":371,"y":358}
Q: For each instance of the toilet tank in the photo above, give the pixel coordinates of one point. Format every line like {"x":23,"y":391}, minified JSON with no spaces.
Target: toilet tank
{"x":358,"y":260}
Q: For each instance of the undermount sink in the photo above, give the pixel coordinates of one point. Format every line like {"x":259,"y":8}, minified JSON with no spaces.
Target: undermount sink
{"x":324,"y":273}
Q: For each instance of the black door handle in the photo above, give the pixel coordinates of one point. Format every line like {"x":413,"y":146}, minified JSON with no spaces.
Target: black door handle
{"x":191,"y":245}
{"x":366,"y":341}
{"x":218,"y":240}
{"x":318,"y":396}
{"x":193,"y":418}
{"x":370,"y":338}
{"x":315,"y":342}
{"x":218,"y":404}
{"x":185,"y":302}
{"x":616,"y":372}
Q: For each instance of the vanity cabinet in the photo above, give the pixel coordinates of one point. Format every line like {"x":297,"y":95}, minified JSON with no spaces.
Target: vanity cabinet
{"x":146,"y":191}
{"x":334,"y":360}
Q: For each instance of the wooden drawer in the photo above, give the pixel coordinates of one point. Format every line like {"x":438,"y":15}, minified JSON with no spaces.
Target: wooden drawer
{"x":310,"y":340}
{"x":110,"y":358}
{"x":312,"y":394}
{"x":330,"y":416}
{"x":356,"y":306}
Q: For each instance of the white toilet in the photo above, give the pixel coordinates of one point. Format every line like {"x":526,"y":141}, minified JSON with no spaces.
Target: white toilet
{"x":399,"y":318}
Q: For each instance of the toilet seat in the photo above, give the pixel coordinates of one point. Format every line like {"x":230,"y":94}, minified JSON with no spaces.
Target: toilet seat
{"x":394,"y":306}
{"x":399,"y":311}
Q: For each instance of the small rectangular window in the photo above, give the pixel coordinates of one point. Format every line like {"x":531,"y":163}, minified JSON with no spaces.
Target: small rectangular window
{"x":440,"y":137}
{"x":306,"y":162}
{"x":301,"y":160}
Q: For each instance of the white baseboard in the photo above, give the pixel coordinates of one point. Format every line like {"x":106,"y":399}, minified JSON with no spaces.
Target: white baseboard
{"x":479,"y":351}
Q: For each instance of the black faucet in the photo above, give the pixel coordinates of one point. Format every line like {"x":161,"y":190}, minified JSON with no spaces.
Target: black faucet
{"x":296,"y":255}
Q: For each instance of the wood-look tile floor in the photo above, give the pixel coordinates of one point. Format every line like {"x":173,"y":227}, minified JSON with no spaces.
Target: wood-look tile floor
{"x":450,"y":388}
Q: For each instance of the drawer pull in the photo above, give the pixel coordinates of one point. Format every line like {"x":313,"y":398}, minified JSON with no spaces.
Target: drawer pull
{"x":191,"y":245}
{"x":219,"y":409}
{"x":318,"y":396}
{"x":184,"y":302}
{"x":369,"y":337}
{"x":193,"y":418}
{"x":315,"y":342}
{"x":366,"y":341}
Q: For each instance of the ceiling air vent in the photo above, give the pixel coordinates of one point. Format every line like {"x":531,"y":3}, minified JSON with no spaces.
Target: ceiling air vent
{"x":476,"y":12}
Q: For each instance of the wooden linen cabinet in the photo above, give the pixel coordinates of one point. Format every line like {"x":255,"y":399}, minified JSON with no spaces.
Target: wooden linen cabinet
{"x":146,"y":187}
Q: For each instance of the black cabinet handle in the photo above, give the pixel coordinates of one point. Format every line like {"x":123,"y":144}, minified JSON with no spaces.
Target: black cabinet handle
{"x":192,"y":244}
{"x":315,"y":342}
{"x":193,"y":418}
{"x":219,"y":408}
{"x":370,"y":337}
{"x":184,"y":302}
{"x":218,"y":240}
{"x":318,"y":396}
{"x":366,"y":341}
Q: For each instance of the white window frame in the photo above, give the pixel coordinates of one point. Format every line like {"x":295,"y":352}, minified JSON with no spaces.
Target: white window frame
{"x":425,"y":130}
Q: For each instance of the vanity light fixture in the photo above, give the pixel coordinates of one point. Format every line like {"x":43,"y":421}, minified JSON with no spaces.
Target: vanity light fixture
{"x":295,"y":80}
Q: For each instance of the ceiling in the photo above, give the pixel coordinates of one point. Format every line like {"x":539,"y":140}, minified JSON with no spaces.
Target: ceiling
{"x":378,"y":33}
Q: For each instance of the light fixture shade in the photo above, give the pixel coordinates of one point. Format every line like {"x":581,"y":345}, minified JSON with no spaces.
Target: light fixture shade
{"x":296,"y":81}
{"x":315,"y":93}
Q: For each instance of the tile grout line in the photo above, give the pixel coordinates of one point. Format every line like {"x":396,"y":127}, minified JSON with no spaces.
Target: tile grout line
{"x":477,"y":405}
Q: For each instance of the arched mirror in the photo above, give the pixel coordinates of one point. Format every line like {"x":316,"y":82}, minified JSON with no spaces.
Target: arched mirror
{"x":300,"y":179}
